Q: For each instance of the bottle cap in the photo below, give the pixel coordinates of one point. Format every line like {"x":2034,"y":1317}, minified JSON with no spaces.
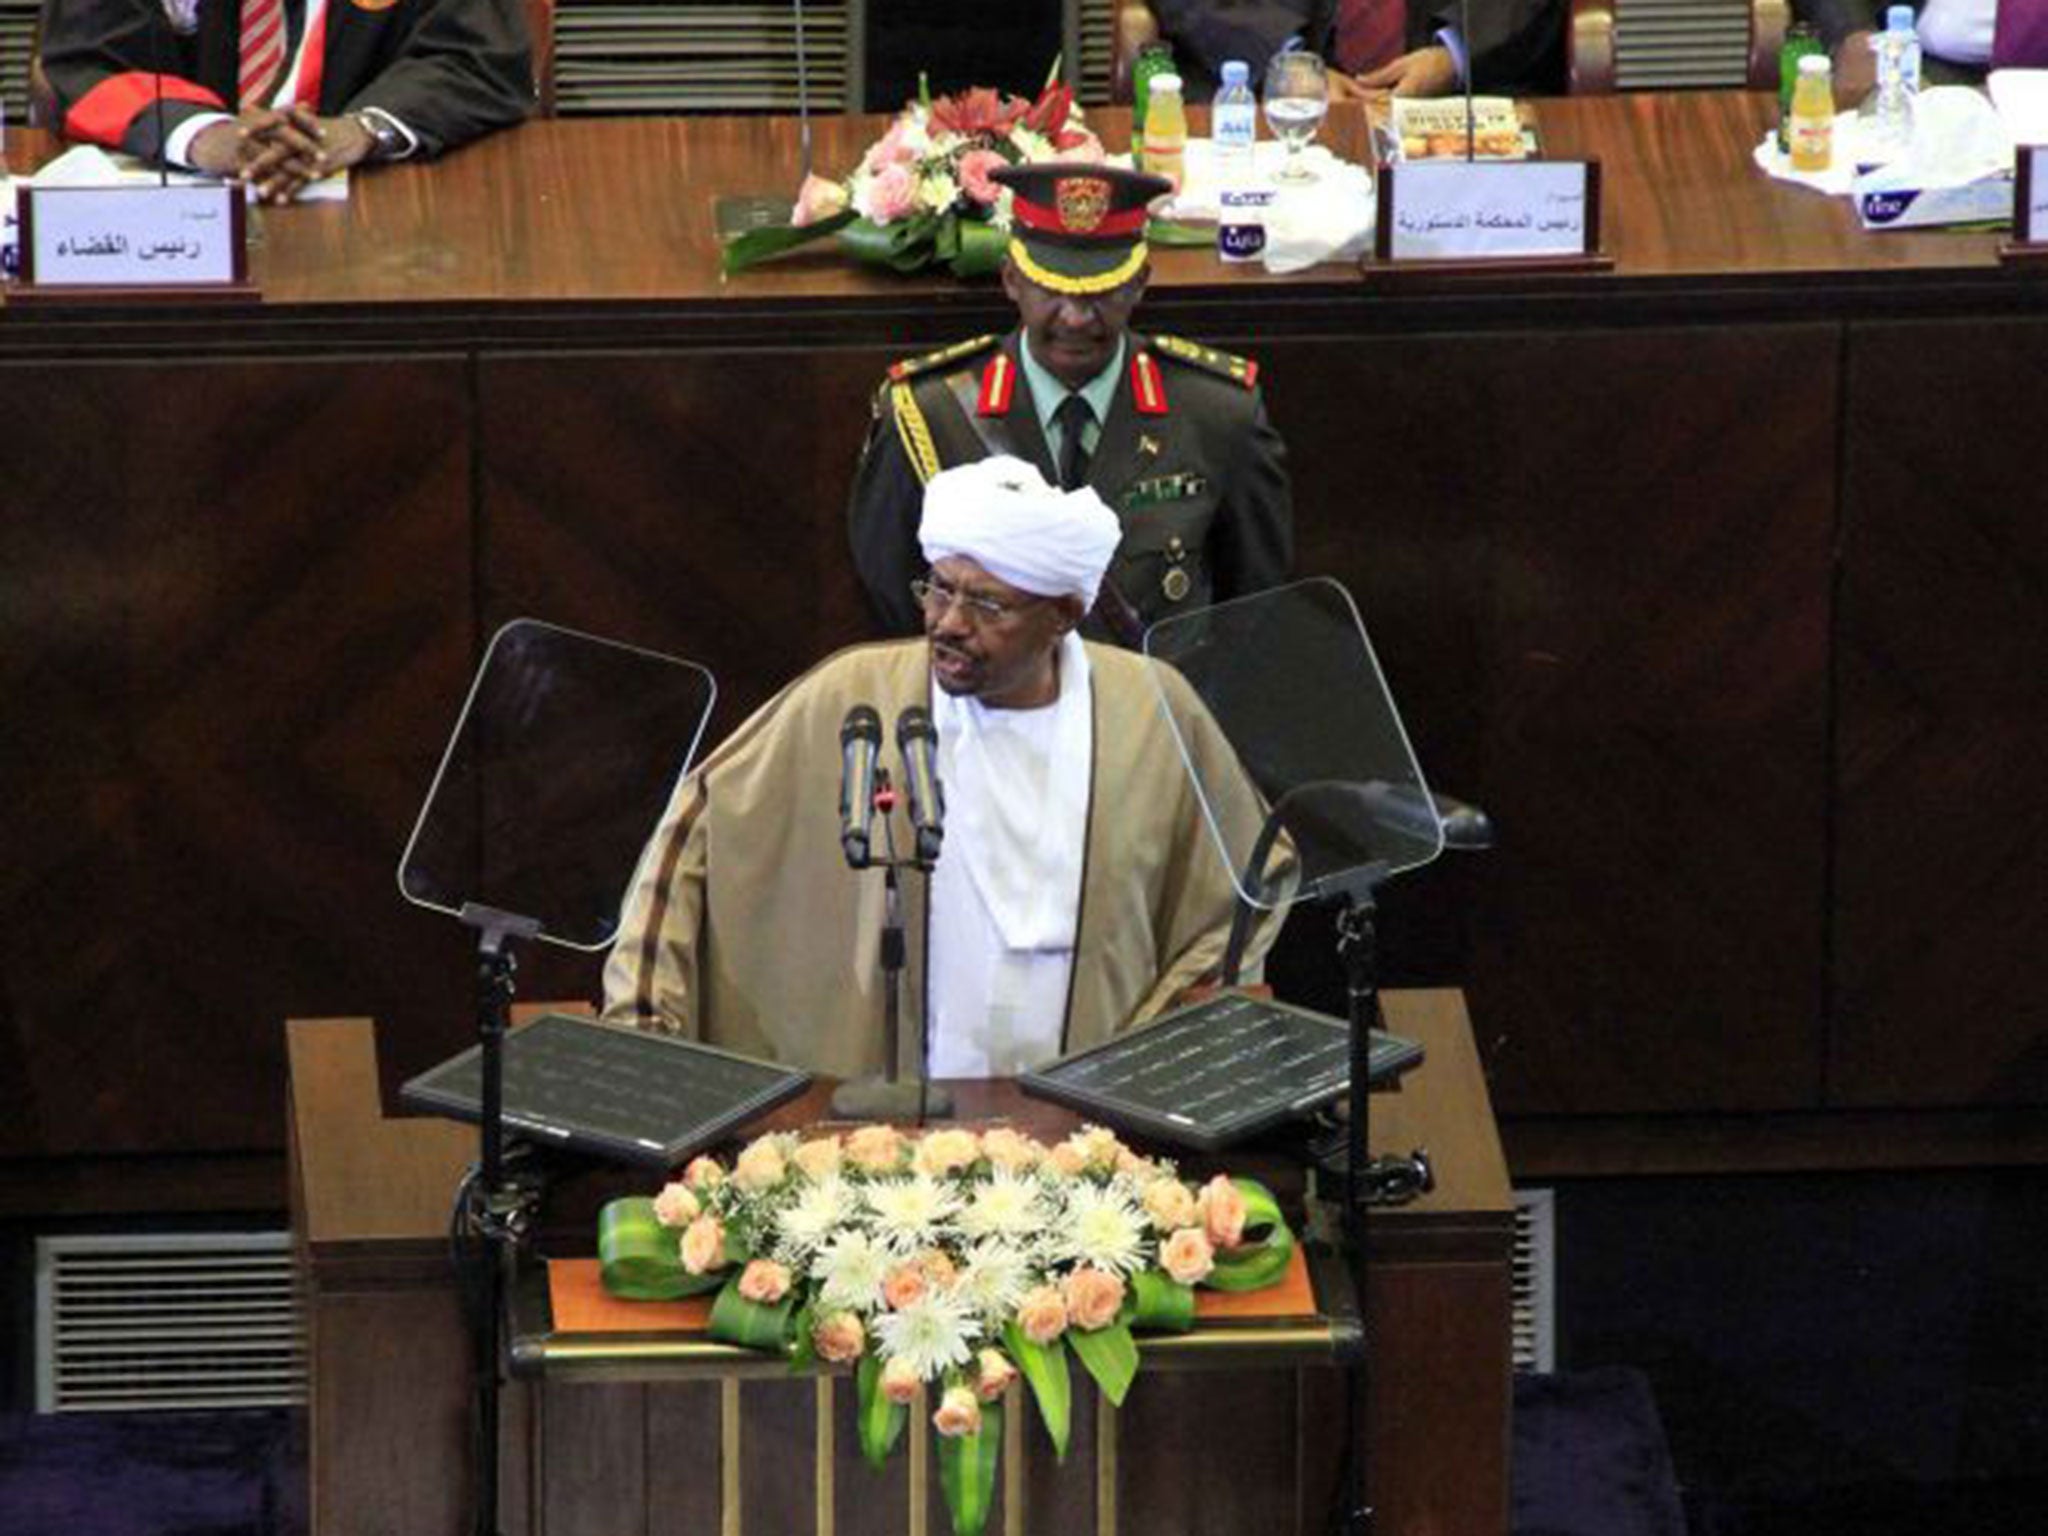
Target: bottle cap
{"x":1168,"y":83}
{"x":1236,"y":72}
{"x":1899,"y":19}
{"x":1815,"y":64}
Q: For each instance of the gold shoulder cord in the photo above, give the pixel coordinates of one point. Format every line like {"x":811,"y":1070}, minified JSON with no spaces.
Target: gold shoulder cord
{"x":915,"y":432}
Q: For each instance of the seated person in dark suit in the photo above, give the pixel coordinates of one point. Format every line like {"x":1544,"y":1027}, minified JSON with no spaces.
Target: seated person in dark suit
{"x":316,"y":86}
{"x":1959,"y":39}
{"x":1516,"y":46}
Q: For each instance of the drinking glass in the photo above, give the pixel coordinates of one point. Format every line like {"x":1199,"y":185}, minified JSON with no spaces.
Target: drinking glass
{"x":1297,"y":96}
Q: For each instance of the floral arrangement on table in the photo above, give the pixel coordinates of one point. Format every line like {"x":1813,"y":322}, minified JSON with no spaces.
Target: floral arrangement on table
{"x":921,"y":195}
{"x":953,"y":1261}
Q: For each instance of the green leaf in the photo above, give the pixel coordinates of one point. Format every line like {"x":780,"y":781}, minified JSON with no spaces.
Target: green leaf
{"x":981,"y":249}
{"x":1110,"y":1355}
{"x":903,"y":244}
{"x":638,"y":1259}
{"x":1044,"y":1369}
{"x":1264,"y":1257}
{"x":967,"y":1471}
{"x":881,"y":1421}
{"x":754,"y":246}
{"x":1162,"y":1302}
{"x":1173,"y":232}
{"x":749,"y":1324}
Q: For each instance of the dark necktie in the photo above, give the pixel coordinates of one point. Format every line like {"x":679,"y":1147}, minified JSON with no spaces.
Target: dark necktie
{"x":1369,"y":33}
{"x":1073,"y":417}
{"x":2019,"y":38}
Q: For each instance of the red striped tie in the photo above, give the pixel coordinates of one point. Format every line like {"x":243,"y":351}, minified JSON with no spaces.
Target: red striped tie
{"x":1369,"y":33}
{"x":262,"y":50}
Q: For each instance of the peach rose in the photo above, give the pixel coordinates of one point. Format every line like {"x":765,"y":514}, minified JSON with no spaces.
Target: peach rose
{"x":1042,"y":1315}
{"x":959,"y":1413}
{"x":1171,"y":1204}
{"x":839,"y":1338}
{"x":892,"y":148}
{"x":817,"y":1159}
{"x":1011,"y":1150}
{"x":703,"y":1173}
{"x":1187,"y":1256}
{"x":765,"y":1281}
{"x":1223,"y":1212}
{"x":875,"y":1148}
{"x":703,"y":1245}
{"x":1069,"y":1158}
{"x":761,"y":1167}
{"x":675,"y":1206}
{"x":899,"y":1381}
{"x":938,"y":1269}
{"x":818,"y":198}
{"x":904,"y":1285}
{"x":974,"y":168}
{"x":891,"y":194}
{"x":1132,"y":1166}
{"x":994,"y":1373}
{"x":1093,"y":1297}
{"x":945,"y":1151}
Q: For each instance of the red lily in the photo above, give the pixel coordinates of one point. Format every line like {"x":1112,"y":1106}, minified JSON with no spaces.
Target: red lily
{"x":1048,"y":114}
{"x":980,"y":110}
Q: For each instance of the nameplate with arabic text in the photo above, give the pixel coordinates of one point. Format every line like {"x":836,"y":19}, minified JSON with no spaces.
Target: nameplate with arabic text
{"x":133,"y":237}
{"x":1485,"y":210}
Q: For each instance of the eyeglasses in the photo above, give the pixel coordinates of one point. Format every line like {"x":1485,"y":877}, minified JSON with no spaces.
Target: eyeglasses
{"x":936,"y":596}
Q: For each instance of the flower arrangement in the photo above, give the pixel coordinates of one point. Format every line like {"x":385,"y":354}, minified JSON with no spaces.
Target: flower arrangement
{"x":921,"y":195}
{"x":953,"y":1262}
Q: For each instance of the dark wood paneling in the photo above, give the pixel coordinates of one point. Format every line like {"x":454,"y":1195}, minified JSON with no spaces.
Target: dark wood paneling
{"x":1941,"y":967}
{"x":238,"y":614}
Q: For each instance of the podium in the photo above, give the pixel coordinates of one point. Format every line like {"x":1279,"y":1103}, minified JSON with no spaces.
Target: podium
{"x":1236,"y":1427}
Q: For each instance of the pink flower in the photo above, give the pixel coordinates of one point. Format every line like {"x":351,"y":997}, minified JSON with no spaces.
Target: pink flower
{"x":994,"y":1373}
{"x":760,"y":1167}
{"x":974,"y":168}
{"x":947,"y":1150}
{"x":1079,"y":145}
{"x":765,"y":1281}
{"x":959,"y":1413}
{"x":1223,"y":1212}
{"x":703,"y":1173}
{"x":1170,"y":1204}
{"x":675,"y":1206}
{"x":1042,"y":1315}
{"x":1069,"y":1158}
{"x":1186,"y":1256}
{"x":891,"y":148}
{"x":905,"y":1284}
{"x":1093,"y":1297}
{"x":839,"y":1338}
{"x":892,"y":194}
{"x":875,"y":1148}
{"x":816,"y":1159}
{"x":818,"y":198}
{"x":899,"y":1380}
{"x":703,"y":1245}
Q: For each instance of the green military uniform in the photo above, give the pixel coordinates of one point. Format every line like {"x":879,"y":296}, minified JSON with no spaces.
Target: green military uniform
{"x":1186,"y":459}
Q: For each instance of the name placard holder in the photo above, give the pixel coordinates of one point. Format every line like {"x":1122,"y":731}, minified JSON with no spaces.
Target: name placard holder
{"x":117,"y":243}
{"x":1449,"y":216}
{"x":2029,"y":243}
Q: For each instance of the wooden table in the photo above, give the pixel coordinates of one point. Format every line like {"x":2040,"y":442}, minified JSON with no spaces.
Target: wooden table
{"x":619,"y":1446}
{"x":1717,"y":578}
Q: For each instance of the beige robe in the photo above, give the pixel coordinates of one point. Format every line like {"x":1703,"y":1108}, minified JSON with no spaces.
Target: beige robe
{"x":745,"y":928}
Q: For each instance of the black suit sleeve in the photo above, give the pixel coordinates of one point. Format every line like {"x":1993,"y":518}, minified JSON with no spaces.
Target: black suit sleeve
{"x":1836,"y":19}
{"x":1215,"y":30}
{"x":1515,"y":46}
{"x":456,"y":70}
{"x":881,"y":524}
{"x":1252,"y":544}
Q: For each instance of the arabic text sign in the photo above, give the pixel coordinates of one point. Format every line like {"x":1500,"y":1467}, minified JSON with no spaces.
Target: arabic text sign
{"x":127,"y":237}
{"x":1459,"y":210}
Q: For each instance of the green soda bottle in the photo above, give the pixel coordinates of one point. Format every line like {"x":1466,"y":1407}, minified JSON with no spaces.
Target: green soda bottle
{"x":1153,"y":59}
{"x":1800,"y":40}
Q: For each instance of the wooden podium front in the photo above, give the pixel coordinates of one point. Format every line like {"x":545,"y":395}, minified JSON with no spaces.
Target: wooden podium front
{"x":1236,"y":1427}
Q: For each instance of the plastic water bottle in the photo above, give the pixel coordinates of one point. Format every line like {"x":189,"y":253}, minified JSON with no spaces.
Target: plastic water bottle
{"x":1886,"y":122}
{"x":1234,"y":133}
{"x":1899,"y":20}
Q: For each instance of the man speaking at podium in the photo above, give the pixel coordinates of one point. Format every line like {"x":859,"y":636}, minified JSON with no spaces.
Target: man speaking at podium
{"x":281,"y":92}
{"x":1077,"y":891}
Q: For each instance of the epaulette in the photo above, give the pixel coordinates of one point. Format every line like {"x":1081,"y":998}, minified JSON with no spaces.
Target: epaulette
{"x":914,"y":367}
{"x":1225,"y":365}
{"x":913,"y":431}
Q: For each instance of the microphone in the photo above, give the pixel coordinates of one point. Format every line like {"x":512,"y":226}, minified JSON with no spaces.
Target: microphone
{"x":918,"y":740}
{"x":860,"y":743}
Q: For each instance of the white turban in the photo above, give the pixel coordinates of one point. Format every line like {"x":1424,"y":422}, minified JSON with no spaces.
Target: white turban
{"x":1001,"y":514}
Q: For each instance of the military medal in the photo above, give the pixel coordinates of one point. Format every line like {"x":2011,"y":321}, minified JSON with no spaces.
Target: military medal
{"x":1176,"y":583}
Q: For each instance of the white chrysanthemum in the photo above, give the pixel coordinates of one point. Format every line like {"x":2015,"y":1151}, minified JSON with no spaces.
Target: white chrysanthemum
{"x":1032,"y":144}
{"x":935,"y":1331}
{"x":995,"y":1278}
{"x":918,"y":137}
{"x":910,"y":1213}
{"x":1006,"y":1205}
{"x":850,"y":1270}
{"x":818,"y":1210}
{"x":938,"y":191}
{"x":1103,"y":1226}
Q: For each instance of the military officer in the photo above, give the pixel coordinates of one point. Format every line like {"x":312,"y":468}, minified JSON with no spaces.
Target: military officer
{"x":1171,"y":434}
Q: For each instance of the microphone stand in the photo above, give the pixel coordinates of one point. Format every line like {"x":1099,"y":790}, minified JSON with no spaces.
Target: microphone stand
{"x":889,"y":1097}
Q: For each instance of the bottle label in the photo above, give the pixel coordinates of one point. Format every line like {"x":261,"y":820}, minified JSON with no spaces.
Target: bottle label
{"x":1241,"y":228}
{"x":1813,"y":143}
